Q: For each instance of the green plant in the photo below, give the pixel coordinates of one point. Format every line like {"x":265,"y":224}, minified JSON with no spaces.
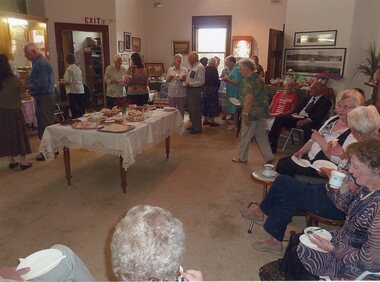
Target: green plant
{"x":371,"y":65}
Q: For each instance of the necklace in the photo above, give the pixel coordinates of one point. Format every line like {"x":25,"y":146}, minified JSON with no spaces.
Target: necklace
{"x":369,"y":194}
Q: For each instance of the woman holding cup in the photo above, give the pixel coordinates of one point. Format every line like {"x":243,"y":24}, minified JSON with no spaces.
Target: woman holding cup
{"x":289,"y":196}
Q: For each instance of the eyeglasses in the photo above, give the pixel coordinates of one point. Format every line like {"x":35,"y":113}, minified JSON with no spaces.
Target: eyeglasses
{"x":344,"y":107}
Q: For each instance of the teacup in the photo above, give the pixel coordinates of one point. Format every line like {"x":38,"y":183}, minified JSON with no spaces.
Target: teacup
{"x":336,"y":179}
{"x":268,"y":170}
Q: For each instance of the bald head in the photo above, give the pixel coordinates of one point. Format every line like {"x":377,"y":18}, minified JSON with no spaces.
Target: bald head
{"x":193,"y":58}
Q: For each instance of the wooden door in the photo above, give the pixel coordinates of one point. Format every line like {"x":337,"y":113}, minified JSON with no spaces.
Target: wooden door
{"x":275,"y":51}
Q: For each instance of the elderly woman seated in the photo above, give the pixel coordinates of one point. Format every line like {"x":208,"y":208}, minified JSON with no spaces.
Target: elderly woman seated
{"x":289,"y":196}
{"x":335,"y":128}
{"x":148,"y":245}
{"x":354,"y":248}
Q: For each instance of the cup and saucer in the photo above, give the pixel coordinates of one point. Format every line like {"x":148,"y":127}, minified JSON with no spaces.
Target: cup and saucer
{"x":268,"y":171}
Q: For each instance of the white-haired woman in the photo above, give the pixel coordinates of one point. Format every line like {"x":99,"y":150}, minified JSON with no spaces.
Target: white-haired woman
{"x":210,"y":96}
{"x":289,"y":196}
{"x":176,"y":91}
{"x":148,"y":245}
{"x":254,"y":99}
{"x":283,"y":102}
{"x":335,"y":128}
{"x":114,"y":78}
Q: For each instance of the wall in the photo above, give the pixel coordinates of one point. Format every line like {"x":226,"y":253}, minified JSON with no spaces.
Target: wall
{"x":173,"y":22}
{"x":69,"y":11}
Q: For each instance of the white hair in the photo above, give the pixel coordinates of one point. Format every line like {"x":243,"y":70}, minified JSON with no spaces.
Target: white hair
{"x":31,"y":46}
{"x":116,"y":57}
{"x":365,"y":120}
{"x":247,"y":63}
{"x":350,"y":93}
{"x":178,"y":55}
{"x":212,"y":61}
{"x":148,"y":244}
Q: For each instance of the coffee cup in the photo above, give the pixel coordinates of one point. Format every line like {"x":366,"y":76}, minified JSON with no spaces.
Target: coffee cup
{"x":336,"y":179}
{"x":268,"y":170}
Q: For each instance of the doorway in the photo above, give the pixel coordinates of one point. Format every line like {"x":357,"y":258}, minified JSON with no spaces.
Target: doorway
{"x":275,"y":47}
{"x":90,"y":45}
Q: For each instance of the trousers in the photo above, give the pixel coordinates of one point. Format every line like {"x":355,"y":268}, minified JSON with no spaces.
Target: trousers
{"x":289,"y":196}
{"x":255,"y":129}
{"x":44,"y":109}
{"x":194,"y":106}
{"x":179,"y":103}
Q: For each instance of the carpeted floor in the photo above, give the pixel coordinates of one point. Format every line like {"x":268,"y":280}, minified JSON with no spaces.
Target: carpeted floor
{"x":199,"y":184}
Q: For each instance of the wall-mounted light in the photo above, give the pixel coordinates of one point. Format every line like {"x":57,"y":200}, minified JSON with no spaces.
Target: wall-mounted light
{"x":242,"y":46}
{"x":16,"y":22}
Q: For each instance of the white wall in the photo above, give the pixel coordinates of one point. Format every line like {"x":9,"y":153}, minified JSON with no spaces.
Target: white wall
{"x":73,"y":11}
{"x":173,"y":22}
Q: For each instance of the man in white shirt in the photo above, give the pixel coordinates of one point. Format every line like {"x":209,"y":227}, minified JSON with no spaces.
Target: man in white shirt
{"x":194,"y":82}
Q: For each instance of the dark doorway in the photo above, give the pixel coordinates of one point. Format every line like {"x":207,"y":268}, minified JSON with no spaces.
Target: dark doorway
{"x":275,"y":47}
{"x":90,"y":45}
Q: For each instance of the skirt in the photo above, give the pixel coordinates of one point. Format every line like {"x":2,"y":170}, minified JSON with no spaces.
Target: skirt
{"x":210,"y":101}
{"x":14,"y":138}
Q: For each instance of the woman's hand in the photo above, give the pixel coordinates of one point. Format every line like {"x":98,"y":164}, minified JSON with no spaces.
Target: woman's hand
{"x":317,"y":137}
{"x":193,"y":275}
{"x":298,"y":154}
{"x":325,"y":171}
{"x":12,"y":273}
{"x":321,"y":243}
{"x":335,"y":150}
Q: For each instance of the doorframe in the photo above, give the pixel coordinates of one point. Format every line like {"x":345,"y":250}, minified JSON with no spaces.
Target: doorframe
{"x":59,"y":27}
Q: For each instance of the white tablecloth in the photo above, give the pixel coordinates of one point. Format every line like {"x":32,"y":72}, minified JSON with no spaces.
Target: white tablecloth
{"x":127,"y":145}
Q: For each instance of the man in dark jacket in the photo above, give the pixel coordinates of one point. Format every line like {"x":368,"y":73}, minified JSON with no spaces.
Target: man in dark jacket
{"x":310,"y":116}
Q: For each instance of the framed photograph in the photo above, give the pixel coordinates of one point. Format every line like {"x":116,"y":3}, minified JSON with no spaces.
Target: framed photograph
{"x":127,"y":41}
{"x":315,"y":38}
{"x":120,"y":46}
{"x":136,"y":44}
{"x":181,"y":47}
{"x":311,"y":61}
{"x":155,"y":69}
{"x":242,"y":46}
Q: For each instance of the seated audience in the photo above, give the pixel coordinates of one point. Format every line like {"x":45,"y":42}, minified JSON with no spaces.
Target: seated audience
{"x":310,"y":116}
{"x":289,"y":196}
{"x":137,"y":80}
{"x":148,"y":245}
{"x":114,"y":79}
{"x":70,"y":269}
{"x":354,"y":248}
{"x":254,"y":102}
{"x":175,"y":77}
{"x":283,"y":103}
{"x":335,"y":128}
{"x":210,"y":95}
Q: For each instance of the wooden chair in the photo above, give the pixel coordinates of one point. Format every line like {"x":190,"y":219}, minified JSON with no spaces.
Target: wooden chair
{"x":313,"y":220}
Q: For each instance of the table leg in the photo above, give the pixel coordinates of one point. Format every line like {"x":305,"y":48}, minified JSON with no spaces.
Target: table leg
{"x":167,"y":143}
{"x":66,"y":157}
{"x":265,"y":191}
{"x":123,"y":175}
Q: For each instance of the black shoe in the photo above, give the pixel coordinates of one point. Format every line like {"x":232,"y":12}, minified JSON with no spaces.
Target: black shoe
{"x":25,"y":166}
{"x":190,"y":128}
{"x":13,"y":165}
{"x":195,"y":132}
{"x":214,"y":124}
{"x":40,"y":157}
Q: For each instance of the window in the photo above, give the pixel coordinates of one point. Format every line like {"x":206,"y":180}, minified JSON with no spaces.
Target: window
{"x":212,"y":37}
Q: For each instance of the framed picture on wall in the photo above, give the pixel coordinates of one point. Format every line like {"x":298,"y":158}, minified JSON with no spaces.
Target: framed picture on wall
{"x":136,"y":44}
{"x":181,"y":47}
{"x":155,"y":69}
{"x":120,"y":46}
{"x":127,"y":41}
{"x":315,"y":38}
{"x":242,"y":46}
{"x":312,"y":61}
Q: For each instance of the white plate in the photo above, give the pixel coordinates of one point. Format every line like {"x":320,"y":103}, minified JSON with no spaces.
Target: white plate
{"x":301,"y":162}
{"x":169,"y":109}
{"x":319,"y":231}
{"x":323,"y":163}
{"x":40,"y":262}
{"x":235,"y":101}
{"x":304,"y":239}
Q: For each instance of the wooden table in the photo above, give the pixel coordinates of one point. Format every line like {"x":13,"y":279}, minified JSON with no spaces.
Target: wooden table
{"x":160,"y":126}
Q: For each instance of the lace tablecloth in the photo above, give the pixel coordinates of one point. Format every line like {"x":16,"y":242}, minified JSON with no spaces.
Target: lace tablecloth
{"x":156,"y":128}
{"x":29,"y":111}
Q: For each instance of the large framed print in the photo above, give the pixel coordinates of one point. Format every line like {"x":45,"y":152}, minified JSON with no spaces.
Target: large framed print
{"x":181,"y":47}
{"x":155,"y":69}
{"x":315,"y":38}
{"x":311,"y":62}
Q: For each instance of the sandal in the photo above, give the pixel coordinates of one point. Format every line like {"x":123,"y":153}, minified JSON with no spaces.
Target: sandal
{"x":239,"y":161}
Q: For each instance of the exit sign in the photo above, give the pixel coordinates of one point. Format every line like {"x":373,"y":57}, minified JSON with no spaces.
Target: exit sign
{"x":94,"y":20}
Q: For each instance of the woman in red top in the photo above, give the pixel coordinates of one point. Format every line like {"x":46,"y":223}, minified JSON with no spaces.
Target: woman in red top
{"x":283,"y":102}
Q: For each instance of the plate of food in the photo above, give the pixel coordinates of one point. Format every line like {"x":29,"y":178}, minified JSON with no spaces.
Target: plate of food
{"x":301,"y":162}
{"x":116,"y":128}
{"x":135,"y":115}
{"x":110,"y":112}
{"x":79,"y":124}
{"x":297,"y":116}
{"x":235,"y":101}
{"x":310,"y":232}
{"x":40,"y":262}
{"x":323,"y":163}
